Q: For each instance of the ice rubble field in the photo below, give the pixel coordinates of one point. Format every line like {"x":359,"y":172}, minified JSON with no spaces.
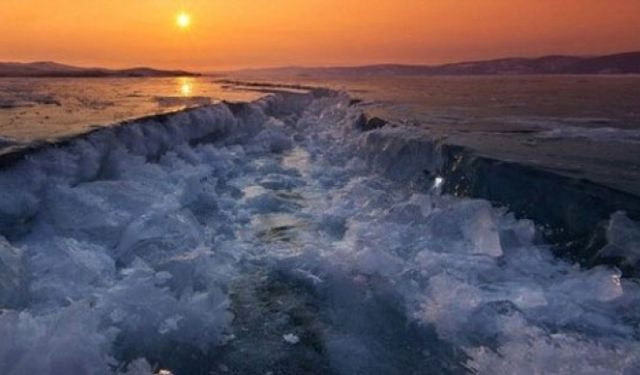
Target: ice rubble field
{"x":276,"y":237}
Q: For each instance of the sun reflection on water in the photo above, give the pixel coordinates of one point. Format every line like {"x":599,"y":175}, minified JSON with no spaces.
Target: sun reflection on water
{"x":185,"y":86}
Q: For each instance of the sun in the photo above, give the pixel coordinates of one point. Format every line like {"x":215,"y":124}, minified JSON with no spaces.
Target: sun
{"x":183,"y":20}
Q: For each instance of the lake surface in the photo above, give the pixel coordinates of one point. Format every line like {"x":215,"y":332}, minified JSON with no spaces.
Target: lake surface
{"x":34,"y":109}
{"x":578,"y":126}
{"x":478,"y":103}
{"x":39,"y":108}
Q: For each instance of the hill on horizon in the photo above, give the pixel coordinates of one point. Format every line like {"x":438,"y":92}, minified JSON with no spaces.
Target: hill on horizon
{"x":54,"y":69}
{"x":619,"y":63}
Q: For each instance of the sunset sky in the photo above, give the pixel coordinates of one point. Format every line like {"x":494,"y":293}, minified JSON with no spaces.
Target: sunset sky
{"x":227,"y":34}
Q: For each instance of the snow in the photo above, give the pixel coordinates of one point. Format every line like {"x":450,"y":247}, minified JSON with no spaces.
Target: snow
{"x":224,"y":237}
{"x":290,"y":338}
{"x":623,"y":237}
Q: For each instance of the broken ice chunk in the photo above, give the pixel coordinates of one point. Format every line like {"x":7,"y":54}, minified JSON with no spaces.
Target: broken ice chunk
{"x":469,"y":227}
{"x":290,"y":338}
{"x":159,"y":235}
{"x":623,"y":236}
{"x":599,"y":283}
{"x":481,"y":230}
{"x":11,"y":271}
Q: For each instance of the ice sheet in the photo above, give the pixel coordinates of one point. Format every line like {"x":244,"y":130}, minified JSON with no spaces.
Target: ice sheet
{"x":161,"y":246}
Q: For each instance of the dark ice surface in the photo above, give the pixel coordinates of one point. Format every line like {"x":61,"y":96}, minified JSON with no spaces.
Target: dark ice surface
{"x":578,"y":126}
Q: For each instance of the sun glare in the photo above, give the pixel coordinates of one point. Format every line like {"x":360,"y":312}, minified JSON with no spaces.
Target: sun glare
{"x":183,"y":20}
{"x":186,"y":86}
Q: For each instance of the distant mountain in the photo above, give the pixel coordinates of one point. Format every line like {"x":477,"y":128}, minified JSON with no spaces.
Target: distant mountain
{"x":622,"y":63}
{"x":52,"y":69}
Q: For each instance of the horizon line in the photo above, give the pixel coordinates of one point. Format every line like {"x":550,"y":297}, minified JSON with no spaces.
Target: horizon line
{"x":323,"y":66}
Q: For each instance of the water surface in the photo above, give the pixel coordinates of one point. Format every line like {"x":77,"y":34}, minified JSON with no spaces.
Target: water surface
{"x":36,"y":109}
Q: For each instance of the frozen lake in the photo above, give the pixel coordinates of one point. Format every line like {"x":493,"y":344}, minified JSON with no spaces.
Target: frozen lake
{"x":578,"y":126}
{"x":285,"y":237}
{"x":35,"y":109}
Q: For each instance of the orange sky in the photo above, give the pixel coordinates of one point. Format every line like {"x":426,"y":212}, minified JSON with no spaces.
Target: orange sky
{"x":252,"y":33}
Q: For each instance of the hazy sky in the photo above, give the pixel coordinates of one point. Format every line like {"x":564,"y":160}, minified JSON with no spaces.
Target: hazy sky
{"x":252,"y":33}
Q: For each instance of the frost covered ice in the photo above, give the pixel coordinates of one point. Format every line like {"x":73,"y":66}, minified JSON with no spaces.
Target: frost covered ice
{"x":290,"y":338}
{"x":218,"y":237}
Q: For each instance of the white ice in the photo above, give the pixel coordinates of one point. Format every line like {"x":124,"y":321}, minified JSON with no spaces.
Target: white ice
{"x":189,"y":232}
